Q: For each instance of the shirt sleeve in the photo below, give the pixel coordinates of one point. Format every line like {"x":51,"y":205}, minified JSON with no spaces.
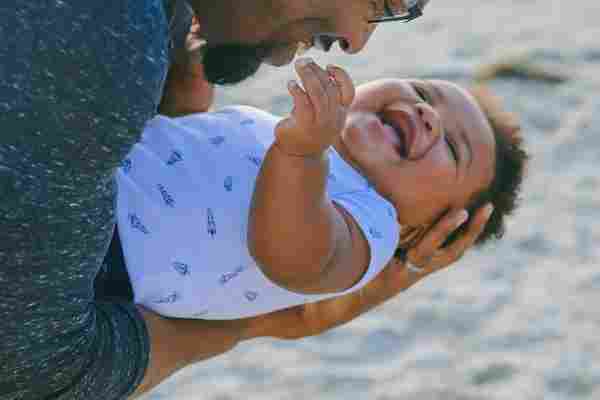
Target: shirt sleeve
{"x":78,"y":80}
{"x":377,"y":219}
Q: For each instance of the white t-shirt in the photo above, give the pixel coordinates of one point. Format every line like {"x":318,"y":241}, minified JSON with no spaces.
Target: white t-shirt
{"x":184,"y":194}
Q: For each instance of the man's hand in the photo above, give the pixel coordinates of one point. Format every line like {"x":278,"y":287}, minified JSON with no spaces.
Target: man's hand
{"x":186,"y":90}
{"x":315,"y":318}
{"x":429,"y":253}
{"x":319,"y":111}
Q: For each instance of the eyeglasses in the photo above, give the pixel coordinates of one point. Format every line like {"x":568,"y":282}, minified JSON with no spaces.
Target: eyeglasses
{"x":390,"y":13}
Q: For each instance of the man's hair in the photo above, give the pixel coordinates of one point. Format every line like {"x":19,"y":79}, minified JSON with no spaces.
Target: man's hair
{"x":511,"y":160}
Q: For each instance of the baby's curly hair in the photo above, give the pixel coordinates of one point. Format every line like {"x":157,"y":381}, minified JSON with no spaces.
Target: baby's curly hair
{"x":511,"y":160}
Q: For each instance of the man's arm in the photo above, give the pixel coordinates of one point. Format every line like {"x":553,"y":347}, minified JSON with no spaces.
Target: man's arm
{"x":186,"y":89}
{"x":78,"y":80}
{"x":177,"y":343}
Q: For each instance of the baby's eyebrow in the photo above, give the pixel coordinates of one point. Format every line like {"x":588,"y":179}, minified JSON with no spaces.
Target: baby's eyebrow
{"x":463,"y":133}
{"x":438,"y":93}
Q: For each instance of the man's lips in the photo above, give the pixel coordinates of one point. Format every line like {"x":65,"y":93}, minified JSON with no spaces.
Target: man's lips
{"x":323,"y":42}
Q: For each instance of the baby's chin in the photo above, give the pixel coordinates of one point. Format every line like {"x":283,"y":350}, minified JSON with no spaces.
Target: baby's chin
{"x":358,"y":132}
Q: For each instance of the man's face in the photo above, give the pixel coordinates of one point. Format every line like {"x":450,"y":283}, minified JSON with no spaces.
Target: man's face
{"x":243,"y":35}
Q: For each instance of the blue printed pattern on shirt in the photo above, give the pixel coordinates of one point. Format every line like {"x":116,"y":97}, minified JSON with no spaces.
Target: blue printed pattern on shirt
{"x":182,"y":268}
{"x":168,"y":299}
{"x":175,"y":157}
{"x":137,"y":224}
{"x":225,"y":278}
{"x":375,"y":233}
{"x":250,"y":295}
{"x":211,"y":225}
{"x":216,"y":140}
{"x":166,"y":196}
{"x":228,"y":183}
{"x":256,"y":160}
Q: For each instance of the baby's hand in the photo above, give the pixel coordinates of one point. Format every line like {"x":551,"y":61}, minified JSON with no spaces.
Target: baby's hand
{"x":319,"y":111}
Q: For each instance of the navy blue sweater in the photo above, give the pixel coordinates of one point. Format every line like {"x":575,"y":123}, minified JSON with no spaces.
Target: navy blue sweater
{"x":78,"y":80}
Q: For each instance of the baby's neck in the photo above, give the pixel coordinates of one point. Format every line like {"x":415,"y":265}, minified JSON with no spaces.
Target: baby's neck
{"x":343,"y":152}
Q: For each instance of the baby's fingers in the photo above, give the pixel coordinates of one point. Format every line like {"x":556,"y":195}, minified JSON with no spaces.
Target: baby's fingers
{"x":302,"y":105}
{"x":318,"y":87}
{"x":344,"y":84}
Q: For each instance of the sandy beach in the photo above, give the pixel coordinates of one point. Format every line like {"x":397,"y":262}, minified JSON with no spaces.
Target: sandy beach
{"x":517,"y":320}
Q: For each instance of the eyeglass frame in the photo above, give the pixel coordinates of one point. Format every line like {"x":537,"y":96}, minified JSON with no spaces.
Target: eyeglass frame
{"x":414,"y":12}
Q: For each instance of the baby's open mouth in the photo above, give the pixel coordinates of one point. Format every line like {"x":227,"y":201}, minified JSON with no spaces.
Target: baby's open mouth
{"x":405,"y":128}
{"x":402,"y":146}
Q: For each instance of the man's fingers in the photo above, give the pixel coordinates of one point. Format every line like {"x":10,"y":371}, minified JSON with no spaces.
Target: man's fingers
{"x":477,"y":225}
{"x":435,"y":237}
{"x":393,"y":279}
{"x":454,"y":251}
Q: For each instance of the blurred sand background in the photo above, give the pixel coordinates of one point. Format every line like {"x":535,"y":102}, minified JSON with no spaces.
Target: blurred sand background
{"x":518,"y":320}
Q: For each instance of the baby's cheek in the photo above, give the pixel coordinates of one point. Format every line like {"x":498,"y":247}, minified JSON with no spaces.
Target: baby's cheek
{"x":362,"y":133}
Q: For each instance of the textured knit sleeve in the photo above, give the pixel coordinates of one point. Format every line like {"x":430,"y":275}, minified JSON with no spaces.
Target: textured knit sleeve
{"x":78,"y":79}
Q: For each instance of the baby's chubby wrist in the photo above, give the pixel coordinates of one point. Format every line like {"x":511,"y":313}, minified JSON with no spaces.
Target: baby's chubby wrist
{"x":302,"y":151}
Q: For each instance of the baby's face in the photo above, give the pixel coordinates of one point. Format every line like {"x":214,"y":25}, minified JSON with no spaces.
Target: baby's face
{"x":425,"y":145}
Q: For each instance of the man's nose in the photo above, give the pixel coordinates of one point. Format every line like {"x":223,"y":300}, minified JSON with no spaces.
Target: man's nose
{"x":357,"y":40}
{"x":324,"y":42}
{"x":351,"y":44}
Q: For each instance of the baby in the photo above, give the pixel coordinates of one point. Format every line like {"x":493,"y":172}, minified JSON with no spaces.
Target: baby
{"x":236,"y":213}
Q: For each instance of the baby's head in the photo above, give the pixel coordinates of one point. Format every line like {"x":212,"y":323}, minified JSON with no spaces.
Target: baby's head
{"x":432,"y":146}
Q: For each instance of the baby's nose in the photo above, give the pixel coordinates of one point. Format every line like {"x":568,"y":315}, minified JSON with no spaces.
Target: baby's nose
{"x":429,"y":119}
{"x":429,"y":128}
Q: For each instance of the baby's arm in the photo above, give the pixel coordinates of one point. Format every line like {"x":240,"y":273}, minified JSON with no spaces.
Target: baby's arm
{"x":299,"y":238}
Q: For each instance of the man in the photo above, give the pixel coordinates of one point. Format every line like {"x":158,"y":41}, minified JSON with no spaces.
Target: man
{"x":78,"y":80}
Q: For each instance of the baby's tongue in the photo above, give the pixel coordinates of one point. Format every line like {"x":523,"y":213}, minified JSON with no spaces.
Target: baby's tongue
{"x":391,"y":122}
{"x":394,"y":136}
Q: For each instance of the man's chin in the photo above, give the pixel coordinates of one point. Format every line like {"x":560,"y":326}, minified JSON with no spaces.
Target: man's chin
{"x":232,"y":63}
{"x":278,"y":63}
